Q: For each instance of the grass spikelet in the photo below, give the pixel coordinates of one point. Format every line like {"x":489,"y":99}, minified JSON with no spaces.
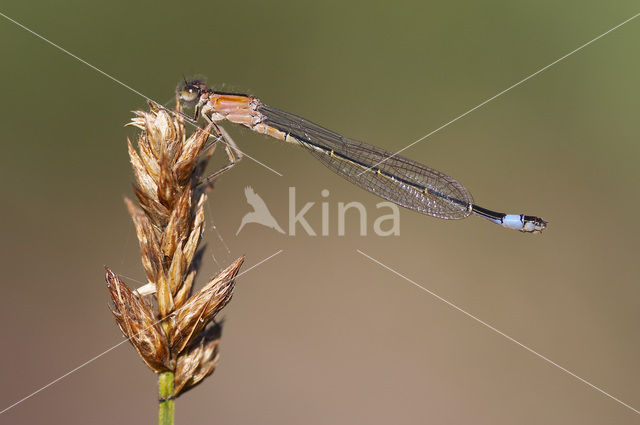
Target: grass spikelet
{"x":178,"y":339}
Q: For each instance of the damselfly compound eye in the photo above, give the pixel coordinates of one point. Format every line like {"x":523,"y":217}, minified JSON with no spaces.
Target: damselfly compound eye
{"x":189,"y":92}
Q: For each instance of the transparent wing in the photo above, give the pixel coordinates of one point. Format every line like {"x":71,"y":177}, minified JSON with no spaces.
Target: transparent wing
{"x":445,"y":197}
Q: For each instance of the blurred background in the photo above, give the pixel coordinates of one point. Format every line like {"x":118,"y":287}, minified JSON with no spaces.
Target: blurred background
{"x":320,"y":334}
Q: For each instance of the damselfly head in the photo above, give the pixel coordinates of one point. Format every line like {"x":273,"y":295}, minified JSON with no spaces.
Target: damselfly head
{"x":190,"y":91}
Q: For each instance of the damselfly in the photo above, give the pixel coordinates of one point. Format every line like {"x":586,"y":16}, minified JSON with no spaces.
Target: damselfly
{"x":400,"y":180}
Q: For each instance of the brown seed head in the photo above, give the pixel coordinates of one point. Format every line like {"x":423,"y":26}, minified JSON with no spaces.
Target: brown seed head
{"x":169,"y":222}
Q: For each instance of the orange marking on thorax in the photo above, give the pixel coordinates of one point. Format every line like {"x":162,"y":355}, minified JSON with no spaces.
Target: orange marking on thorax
{"x":228,"y":103}
{"x":240,"y":109}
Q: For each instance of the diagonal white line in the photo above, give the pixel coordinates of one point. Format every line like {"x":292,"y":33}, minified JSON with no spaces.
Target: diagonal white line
{"x":503,"y":91}
{"x":109,"y":76}
{"x":546,"y":359}
{"x":116,"y":346}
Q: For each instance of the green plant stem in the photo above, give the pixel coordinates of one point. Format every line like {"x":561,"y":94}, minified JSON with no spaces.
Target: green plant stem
{"x":166,"y":406}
